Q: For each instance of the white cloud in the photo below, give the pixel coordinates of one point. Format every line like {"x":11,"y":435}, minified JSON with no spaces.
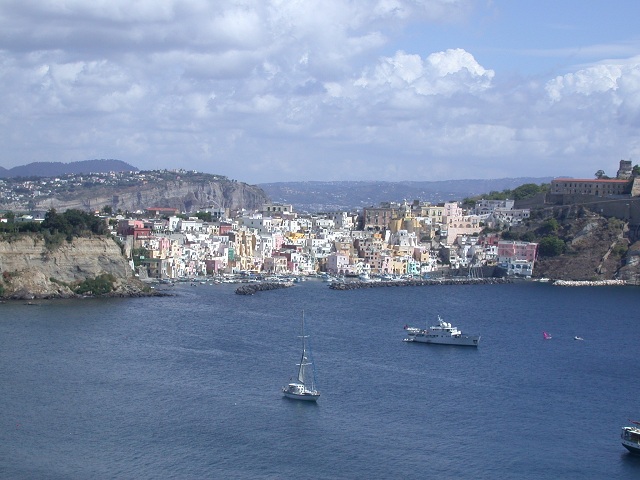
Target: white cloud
{"x":289,"y":89}
{"x":596,"y":79}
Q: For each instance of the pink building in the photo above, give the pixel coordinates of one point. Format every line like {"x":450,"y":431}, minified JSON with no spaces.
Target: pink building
{"x":337,"y":263}
{"x":511,"y":250}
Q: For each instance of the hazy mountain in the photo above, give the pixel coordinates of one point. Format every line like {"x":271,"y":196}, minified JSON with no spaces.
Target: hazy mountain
{"x":54,"y":169}
{"x":343,"y":195}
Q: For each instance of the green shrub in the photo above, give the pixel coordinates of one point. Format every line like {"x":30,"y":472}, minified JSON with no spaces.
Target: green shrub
{"x":619,"y":250}
{"x":551,"y":246}
{"x":100,"y":285}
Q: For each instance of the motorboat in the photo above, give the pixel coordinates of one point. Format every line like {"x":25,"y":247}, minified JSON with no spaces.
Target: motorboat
{"x":630,"y":437}
{"x":443,"y":334}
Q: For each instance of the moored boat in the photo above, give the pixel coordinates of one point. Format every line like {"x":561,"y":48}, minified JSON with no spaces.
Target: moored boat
{"x":630,"y":437}
{"x":442,"y":334}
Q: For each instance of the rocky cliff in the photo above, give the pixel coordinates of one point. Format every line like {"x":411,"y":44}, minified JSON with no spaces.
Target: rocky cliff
{"x":596,"y":248}
{"x":29,"y":269}
{"x":187,"y":195}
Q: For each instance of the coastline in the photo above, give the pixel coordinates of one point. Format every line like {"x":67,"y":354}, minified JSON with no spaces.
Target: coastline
{"x":589,"y":283}
{"x":420,"y":283}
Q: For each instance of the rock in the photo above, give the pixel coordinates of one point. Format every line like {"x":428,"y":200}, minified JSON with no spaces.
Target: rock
{"x":184,"y":195}
{"x":259,"y":287}
{"x":30,"y":270}
{"x":419,"y":283}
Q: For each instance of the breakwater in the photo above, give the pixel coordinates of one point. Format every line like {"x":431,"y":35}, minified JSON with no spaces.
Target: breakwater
{"x":259,"y":287}
{"x":588,"y":283}
{"x":419,"y":283}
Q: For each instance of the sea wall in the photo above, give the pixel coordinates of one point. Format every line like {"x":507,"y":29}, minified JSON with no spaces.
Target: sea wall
{"x":419,"y":283}
{"x":261,"y":287}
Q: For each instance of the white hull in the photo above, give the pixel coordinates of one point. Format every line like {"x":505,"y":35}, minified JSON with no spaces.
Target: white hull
{"x":630,"y":438}
{"x":466,"y":341}
{"x":442,"y":334}
{"x":633,"y":447}
{"x":307,"y":397}
{"x":304,"y":388}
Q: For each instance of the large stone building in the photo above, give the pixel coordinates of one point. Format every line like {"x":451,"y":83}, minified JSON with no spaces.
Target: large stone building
{"x":594,"y":187}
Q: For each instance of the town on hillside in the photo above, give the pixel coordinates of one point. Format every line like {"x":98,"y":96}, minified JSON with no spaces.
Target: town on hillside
{"x":391,"y":240}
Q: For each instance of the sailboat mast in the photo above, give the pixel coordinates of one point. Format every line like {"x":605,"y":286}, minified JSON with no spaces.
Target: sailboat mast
{"x":303,"y":359}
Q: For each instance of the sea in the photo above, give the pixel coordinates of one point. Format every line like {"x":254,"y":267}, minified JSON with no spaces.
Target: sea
{"x":189,"y":385}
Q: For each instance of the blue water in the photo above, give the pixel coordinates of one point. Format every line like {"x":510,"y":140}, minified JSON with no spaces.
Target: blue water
{"x":188,"y":386}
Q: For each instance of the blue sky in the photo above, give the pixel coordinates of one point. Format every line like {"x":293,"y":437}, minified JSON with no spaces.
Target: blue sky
{"x":273,"y":90}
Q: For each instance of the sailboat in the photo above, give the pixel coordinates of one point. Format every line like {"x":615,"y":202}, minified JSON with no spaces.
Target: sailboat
{"x":546,"y":336}
{"x":303,"y":388}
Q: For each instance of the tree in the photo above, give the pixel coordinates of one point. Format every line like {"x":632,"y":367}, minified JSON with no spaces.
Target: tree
{"x":551,"y":246}
{"x":56,"y":223}
{"x":549,"y":227}
{"x":600,"y":175}
{"x":528,"y":190}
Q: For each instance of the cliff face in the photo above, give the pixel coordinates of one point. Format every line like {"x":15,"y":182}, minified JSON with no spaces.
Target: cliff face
{"x":596,"y":248}
{"x":28,"y":267}
{"x":185,"y":195}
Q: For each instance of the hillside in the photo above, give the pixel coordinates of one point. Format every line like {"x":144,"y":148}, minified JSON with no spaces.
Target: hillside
{"x":583,"y":246}
{"x":347,"y":195}
{"x":55,"y":169}
{"x":185,"y":194}
{"x":131,"y":191}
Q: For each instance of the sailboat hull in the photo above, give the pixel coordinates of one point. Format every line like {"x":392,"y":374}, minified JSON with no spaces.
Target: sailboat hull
{"x":304,"y":388}
{"x":306,"y":397}
{"x":297,"y":391}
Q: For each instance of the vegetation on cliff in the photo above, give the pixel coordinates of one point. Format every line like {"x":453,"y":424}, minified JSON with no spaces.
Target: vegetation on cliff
{"x":100,"y":285}
{"x":523,"y":192}
{"x":57,"y":227}
{"x":574,"y":244}
{"x":89,"y":264}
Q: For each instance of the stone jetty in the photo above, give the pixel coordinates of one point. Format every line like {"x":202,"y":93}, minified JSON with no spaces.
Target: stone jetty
{"x":419,"y":283}
{"x":260,"y":287}
{"x":588,"y":283}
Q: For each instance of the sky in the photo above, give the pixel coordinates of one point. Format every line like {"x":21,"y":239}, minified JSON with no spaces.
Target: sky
{"x":294,"y":90}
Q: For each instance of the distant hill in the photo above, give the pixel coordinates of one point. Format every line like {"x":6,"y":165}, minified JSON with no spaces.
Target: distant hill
{"x":54,"y":169}
{"x":336,"y":196}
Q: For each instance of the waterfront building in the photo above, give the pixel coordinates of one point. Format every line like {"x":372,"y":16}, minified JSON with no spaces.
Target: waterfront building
{"x":337,"y":263}
{"x":509,"y":250}
{"x":276,"y":265}
{"x":517,"y":258}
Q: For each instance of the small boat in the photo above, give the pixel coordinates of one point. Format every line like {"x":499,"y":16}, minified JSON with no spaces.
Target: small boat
{"x":630,"y":437}
{"x":578,"y":338}
{"x":441,"y":334}
{"x":304,"y":387}
{"x":546,"y":336}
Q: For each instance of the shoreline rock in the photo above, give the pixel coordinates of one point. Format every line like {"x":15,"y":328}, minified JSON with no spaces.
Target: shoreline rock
{"x":420,"y":283}
{"x":260,"y":287}
{"x":588,"y":283}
